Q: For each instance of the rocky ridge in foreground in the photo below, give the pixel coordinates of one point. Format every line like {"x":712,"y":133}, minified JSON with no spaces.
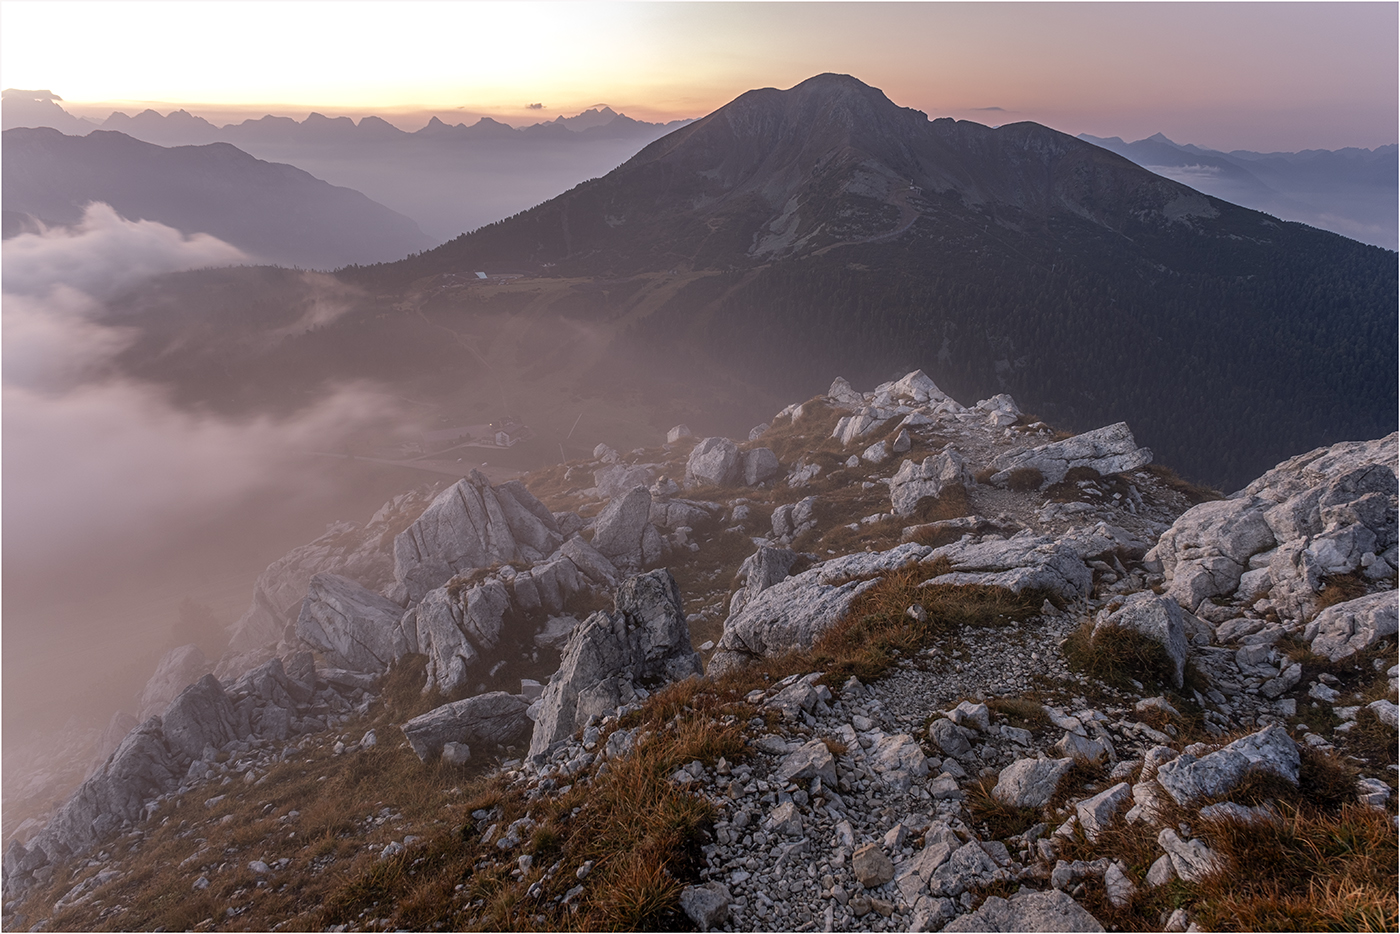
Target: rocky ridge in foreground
{"x":969,"y":675}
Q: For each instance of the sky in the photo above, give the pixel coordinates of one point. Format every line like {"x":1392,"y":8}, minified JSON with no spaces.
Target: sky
{"x":1262,"y":76}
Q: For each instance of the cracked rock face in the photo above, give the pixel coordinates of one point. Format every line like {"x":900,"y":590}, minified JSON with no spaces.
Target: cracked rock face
{"x":1028,"y":911}
{"x":472,"y":525}
{"x":1328,"y":512}
{"x":645,"y":637}
{"x":1023,"y":562}
{"x":1353,"y":626}
{"x":353,"y":627}
{"x":1108,"y":450}
{"x":1158,"y":618}
{"x":1192,"y":776}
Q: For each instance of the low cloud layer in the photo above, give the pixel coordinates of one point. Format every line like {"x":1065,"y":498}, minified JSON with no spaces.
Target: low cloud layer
{"x":102,"y":473}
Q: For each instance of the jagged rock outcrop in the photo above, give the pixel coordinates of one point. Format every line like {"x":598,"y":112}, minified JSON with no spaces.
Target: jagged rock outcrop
{"x":484,"y":721}
{"x":1108,"y":450}
{"x":453,"y":628}
{"x":793,"y":519}
{"x":645,"y":637}
{"x":472,"y":525}
{"x":1158,"y":618}
{"x":760,"y":466}
{"x":762,"y":569}
{"x":616,"y":479}
{"x":792,"y":614}
{"x":623,"y":532}
{"x":1025,"y":561}
{"x":1328,"y":512}
{"x":352,"y":627}
{"x":176,"y":670}
{"x":359,"y":553}
{"x":914,"y":483}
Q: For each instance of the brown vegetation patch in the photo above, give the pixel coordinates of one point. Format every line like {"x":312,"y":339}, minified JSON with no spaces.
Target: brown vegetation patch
{"x":1118,"y":654}
{"x":1195,"y":493}
{"x":1308,"y":871}
{"x":1024,"y":480}
{"x":1023,"y":712}
{"x":1339,"y":588}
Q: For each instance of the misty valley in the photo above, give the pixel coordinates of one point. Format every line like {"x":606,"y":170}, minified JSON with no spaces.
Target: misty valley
{"x":810,"y":516}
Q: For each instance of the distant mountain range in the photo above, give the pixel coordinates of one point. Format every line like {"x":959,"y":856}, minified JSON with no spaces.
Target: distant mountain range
{"x":275,"y":213}
{"x":822,"y":229}
{"x":829,"y":230}
{"x":450,"y":178}
{"x":1351,"y":191}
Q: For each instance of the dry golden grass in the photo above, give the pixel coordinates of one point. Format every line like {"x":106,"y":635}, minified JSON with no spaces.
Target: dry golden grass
{"x":1117,"y":655}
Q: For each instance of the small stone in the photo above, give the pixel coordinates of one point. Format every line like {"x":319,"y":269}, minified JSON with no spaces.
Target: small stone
{"x":706,"y":905}
{"x":456,"y":753}
{"x":871,"y":866}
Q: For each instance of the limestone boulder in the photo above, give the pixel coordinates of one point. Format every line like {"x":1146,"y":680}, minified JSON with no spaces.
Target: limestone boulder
{"x":1027,"y":910}
{"x":1108,"y":450}
{"x":1025,"y":561}
{"x":714,"y":462}
{"x":455,"y":628}
{"x":350,"y":626}
{"x":1353,"y":626}
{"x":1199,"y":774}
{"x":1158,"y":618}
{"x":760,"y":466}
{"x":913,"y":484}
{"x":616,"y":479}
{"x":623,"y":532}
{"x":1030,"y":783}
{"x":484,"y":721}
{"x":644,"y":637}
{"x":793,"y":613}
{"x":762,"y":569}
{"x":201,"y":715}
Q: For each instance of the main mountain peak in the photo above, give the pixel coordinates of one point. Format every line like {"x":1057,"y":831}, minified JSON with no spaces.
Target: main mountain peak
{"x":829,"y":162}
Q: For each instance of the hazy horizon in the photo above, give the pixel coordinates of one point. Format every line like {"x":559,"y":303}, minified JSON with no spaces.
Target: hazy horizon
{"x":1263,"y":77}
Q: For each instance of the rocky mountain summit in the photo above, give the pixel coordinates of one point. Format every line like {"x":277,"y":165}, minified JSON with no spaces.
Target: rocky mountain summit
{"x":888,"y":663}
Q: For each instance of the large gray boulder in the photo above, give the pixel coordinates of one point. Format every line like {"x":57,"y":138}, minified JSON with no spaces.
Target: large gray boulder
{"x":794,"y":613}
{"x":1208,"y":548}
{"x":1158,"y":618}
{"x":350,"y":626}
{"x":472,"y":525}
{"x":200,"y":716}
{"x":1025,"y":561}
{"x":645,"y":637}
{"x":484,"y":721}
{"x":1030,"y":783}
{"x":1353,"y":626}
{"x":614,"y":480}
{"x":1108,"y":450}
{"x":762,"y":569}
{"x":760,"y":465}
{"x":714,"y":462}
{"x":914,"y":483}
{"x":1028,"y":910}
{"x":1197,"y":774}
{"x":178,"y":669}
{"x":576,"y":567}
{"x":623,"y":532}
